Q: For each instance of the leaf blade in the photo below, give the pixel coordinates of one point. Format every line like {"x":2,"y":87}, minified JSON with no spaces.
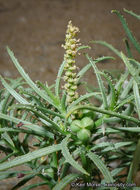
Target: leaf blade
{"x":127,"y":30}
{"x":13,"y":92}
{"x":137,"y":97}
{"x":100,"y":82}
{"x":101,"y":166}
{"x":27,"y":78}
{"x":65,"y":181}
{"x":69,"y":158}
{"x":36,"y":128}
{"x":29,"y":156}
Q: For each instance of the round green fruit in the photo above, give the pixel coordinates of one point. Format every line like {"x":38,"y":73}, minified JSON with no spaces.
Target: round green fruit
{"x":83,"y":134}
{"x":75,"y":126}
{"x":88,"y":113}
{"x":87,"y":123}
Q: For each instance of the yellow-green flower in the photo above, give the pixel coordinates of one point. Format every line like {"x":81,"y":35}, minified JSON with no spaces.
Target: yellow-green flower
{"x":70,"y":78}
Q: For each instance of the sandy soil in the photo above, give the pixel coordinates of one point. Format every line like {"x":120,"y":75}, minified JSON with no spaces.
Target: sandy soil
{"x":35,"y":30}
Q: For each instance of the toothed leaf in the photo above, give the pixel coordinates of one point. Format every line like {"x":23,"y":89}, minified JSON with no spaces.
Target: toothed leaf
{"x":127,"y":30}
{"x":68,"y":157}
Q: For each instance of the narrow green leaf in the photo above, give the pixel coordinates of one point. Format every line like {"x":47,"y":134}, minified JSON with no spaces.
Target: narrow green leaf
{"x":137,"y":97}
{"x":129,"y":129}
{"x":68,"y":157}
{"x":83,"y":97}
{"x":136,"y":63}
{"x":101,"y":166}
{"x":8,"y":139}
{"x":101,"y":145}
{"x":10,"y":174}
{"x":129,"y":176}
{"x":27,"y":78}
{"x":126,"y":88}
{"x":63,"y":101}
{"x":4,"y":104}
{"x":58,"y":79}
{"x":113,"y":94}
{"x":83,"y":47}
{"x":108,"y":131}
{"x":13,"y":92}
{"x":38,"y":129}
{"x":125,"y":101}
{"x":122,"y":79}
{"x":23,"y":181}
{"x":132,"y":13}
{"x":100,"y":82}
{"x":88,"y":66}
{"x":131,"y":69}
{"x":54,"y":99}
{"x":117,"y":146}
{"x":6,"y":158}
{"x":116,"y":171}
{"x":40,"y":108}
{"x":64,"y":170}
{"x":128,"y":48}
{"x":65,"y":181}
{"x":127,"y":30}
{"x":34,"y":98}
{"x":43,"y":117}
{"x":33,"y":132}
{"x":108,"y":46}
{"x":30,"y":156}
{"x":136,"y":160}
{"x":36,"y":185}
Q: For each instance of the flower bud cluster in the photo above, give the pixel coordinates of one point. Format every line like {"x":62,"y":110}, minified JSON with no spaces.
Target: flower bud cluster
{"x":71,"y":45}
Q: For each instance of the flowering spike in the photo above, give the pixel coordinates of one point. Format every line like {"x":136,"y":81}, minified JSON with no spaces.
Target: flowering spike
{"x":71,"y":45}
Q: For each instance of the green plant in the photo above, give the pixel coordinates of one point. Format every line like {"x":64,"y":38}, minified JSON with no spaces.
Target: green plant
{"x":70,"y":130}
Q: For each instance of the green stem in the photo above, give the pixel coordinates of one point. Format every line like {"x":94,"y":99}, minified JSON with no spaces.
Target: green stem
{"x":83,"y":159}
{"x":64,"y":170}
{"x":107,"y":119}
{"x":111,"y":113}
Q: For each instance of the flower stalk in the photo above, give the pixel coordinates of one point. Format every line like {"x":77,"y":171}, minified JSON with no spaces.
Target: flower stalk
{"x":70,"y":77}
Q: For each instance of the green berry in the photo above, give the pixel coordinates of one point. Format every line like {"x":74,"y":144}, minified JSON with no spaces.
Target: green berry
{"x":87,"y":123}
{"x":75,"y":126}
{"x":88,"y":113}
{"x":83,"y":134}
